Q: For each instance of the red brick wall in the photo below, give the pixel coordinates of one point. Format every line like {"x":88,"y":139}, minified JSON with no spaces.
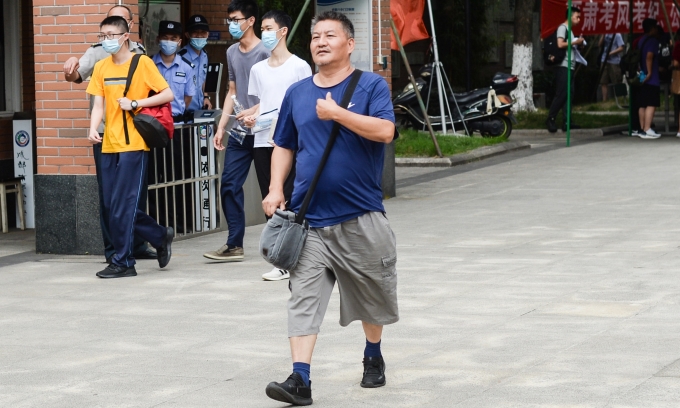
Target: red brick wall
{"x":213,"y":10}
{"x":382,"y":41}
{"x":64,"y":29}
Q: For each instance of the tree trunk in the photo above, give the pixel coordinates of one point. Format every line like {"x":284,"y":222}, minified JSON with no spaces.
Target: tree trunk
{"x":522,"y":56}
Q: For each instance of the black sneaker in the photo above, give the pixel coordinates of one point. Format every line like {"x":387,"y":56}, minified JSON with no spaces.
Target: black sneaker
{"x":552,"y":126}
{"x":165,"y":252}
{"x":116,"y":271}
{"x":374,"y":372}
{"x":293,"y":391}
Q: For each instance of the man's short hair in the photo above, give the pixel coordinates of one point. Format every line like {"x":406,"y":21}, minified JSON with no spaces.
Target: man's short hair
{"x":648,"y":24}
{"x":574,"y":9}
{"x":123,"y":6}
{"x":347,"y":25}
{"x":247,"y":7}
{"x":116,"y":21}
{"x":280,"y":18}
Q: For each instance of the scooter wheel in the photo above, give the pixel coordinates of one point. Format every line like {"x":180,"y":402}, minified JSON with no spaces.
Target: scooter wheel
{"x":504,"y":127}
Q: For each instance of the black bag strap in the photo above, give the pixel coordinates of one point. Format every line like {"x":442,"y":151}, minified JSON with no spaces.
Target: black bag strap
{"x":131,"y":72}
{"x":300,"y":216}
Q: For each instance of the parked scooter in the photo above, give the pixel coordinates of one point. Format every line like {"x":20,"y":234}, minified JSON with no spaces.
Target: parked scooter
{"x":484,"y":110}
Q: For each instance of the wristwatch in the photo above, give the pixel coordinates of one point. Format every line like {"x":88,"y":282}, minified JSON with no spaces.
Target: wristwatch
{"x":206,"y":97}
{"x":134,"y":104}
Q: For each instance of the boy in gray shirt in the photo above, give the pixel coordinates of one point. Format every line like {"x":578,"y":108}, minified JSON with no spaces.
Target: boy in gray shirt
{"x":241,"y":151}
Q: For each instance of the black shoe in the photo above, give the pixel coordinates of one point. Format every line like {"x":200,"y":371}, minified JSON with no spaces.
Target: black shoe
{"x":374,"y":372}
{"x":109,"y":260}
{"x":146,"y":254}
{"x":293,"y":391}
{"x":116,"y":271}
{"x":165,"y":252}
{"x":552,"y":126}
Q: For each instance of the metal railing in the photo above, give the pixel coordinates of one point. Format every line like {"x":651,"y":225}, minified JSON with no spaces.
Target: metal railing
{"x":183,"y":181}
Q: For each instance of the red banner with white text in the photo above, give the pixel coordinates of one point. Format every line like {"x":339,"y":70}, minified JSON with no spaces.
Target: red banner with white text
{"x":603,"y":17}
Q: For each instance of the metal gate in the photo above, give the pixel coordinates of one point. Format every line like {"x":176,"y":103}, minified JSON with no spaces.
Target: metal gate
{"x":184,"y":182}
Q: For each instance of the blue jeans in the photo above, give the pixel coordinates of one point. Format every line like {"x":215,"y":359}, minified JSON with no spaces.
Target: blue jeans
{"x":237,"y":161}
{"x":139,"y":244}
{"x":123,"y":176}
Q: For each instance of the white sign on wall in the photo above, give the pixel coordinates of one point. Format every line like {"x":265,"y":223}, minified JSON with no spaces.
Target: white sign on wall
{"x":360,"y":13}
{"x":23,"y":166}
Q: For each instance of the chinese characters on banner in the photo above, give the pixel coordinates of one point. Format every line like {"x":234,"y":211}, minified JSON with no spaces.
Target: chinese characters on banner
{"x":603,"y":17}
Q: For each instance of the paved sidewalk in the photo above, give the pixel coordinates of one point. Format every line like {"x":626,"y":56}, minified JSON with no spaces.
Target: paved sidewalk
{"x":542,"y":278}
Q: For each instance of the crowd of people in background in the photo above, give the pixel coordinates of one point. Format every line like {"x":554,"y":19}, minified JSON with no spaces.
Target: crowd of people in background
{"x":659,"y":63}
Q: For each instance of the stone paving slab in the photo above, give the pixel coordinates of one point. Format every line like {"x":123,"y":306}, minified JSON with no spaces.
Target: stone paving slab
{"x":544,"y":278}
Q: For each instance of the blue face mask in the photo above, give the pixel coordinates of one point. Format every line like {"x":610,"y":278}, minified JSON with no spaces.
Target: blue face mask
{"x":168,"y":47}
{"x":111,"y":46}
{"x":269,"y":39}
{"x":198,"y":43}
{"x":235,"y":30}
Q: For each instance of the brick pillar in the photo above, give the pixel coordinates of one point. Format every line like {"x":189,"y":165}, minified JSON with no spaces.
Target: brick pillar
{"x":381,"y":39}
{"x":67,"y":210}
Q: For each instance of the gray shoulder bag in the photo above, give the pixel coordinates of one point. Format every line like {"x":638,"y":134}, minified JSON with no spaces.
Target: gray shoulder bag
{"x":285,"y":234}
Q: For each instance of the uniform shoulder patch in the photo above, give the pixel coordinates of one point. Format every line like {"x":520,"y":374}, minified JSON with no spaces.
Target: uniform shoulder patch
{"x":191,"y":64}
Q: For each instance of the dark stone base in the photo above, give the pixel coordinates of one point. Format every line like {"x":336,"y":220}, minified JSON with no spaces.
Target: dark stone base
{"x":67,"y":215}
{"x":389,"y":182}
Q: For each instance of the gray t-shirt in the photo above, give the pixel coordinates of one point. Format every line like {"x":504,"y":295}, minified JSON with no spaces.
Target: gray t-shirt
{"x":239,"y":64}
{"x":618,"y":42}
{"x":562,"y":33}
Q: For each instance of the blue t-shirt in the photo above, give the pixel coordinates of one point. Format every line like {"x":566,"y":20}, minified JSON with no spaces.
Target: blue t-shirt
{"x":349,"y":185}
{"x":650,"y":44}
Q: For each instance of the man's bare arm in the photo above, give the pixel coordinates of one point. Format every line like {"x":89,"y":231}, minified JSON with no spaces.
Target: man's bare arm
{"x":282,"y":161}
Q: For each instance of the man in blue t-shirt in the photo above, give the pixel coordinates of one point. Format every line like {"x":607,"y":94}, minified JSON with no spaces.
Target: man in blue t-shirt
{"x":350,"y":240}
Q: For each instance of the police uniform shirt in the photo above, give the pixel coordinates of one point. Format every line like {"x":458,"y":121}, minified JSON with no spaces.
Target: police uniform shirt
{"x":179,"y":76}
{"x":93,"y":55}
{"x":200,"y":62}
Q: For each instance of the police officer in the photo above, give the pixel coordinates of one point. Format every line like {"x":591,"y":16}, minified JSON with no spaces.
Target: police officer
{"x":197,"y":35}
{"x":179,"y":74}
{"x":76,"y":70}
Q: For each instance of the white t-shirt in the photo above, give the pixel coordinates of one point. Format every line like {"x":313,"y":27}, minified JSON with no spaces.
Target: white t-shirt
{"x":270,"y":85}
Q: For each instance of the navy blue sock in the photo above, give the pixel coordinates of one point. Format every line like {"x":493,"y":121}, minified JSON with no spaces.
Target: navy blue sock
{"x":372,"y":349}
{"x":303,"y":370}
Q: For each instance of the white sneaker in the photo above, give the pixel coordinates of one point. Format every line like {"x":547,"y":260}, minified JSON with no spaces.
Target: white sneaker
{"x":677,"y":134}
{"x":650,"y":134}
{"x":276,"y":274}
{"x":635,"y":133}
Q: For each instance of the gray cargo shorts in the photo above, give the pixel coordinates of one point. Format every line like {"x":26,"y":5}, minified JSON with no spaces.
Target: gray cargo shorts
{"x":361,"y":255}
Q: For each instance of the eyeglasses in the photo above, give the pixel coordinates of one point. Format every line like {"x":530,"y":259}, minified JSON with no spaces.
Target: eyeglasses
{"x":235,"y":20}
{"x":102,"y":37}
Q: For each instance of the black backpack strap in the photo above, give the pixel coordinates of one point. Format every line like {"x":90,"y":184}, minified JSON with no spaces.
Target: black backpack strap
{"x":346,"y":97}
{"x":131,"y":72}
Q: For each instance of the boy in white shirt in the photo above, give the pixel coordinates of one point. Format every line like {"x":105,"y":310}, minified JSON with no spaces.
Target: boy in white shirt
{"x":269,"y":81}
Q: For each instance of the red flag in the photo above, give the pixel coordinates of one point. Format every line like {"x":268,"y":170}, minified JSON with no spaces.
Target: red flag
{"x":408,"y":18}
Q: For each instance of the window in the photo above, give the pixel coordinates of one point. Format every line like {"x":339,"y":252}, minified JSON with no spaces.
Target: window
{"x":10,"y":57}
